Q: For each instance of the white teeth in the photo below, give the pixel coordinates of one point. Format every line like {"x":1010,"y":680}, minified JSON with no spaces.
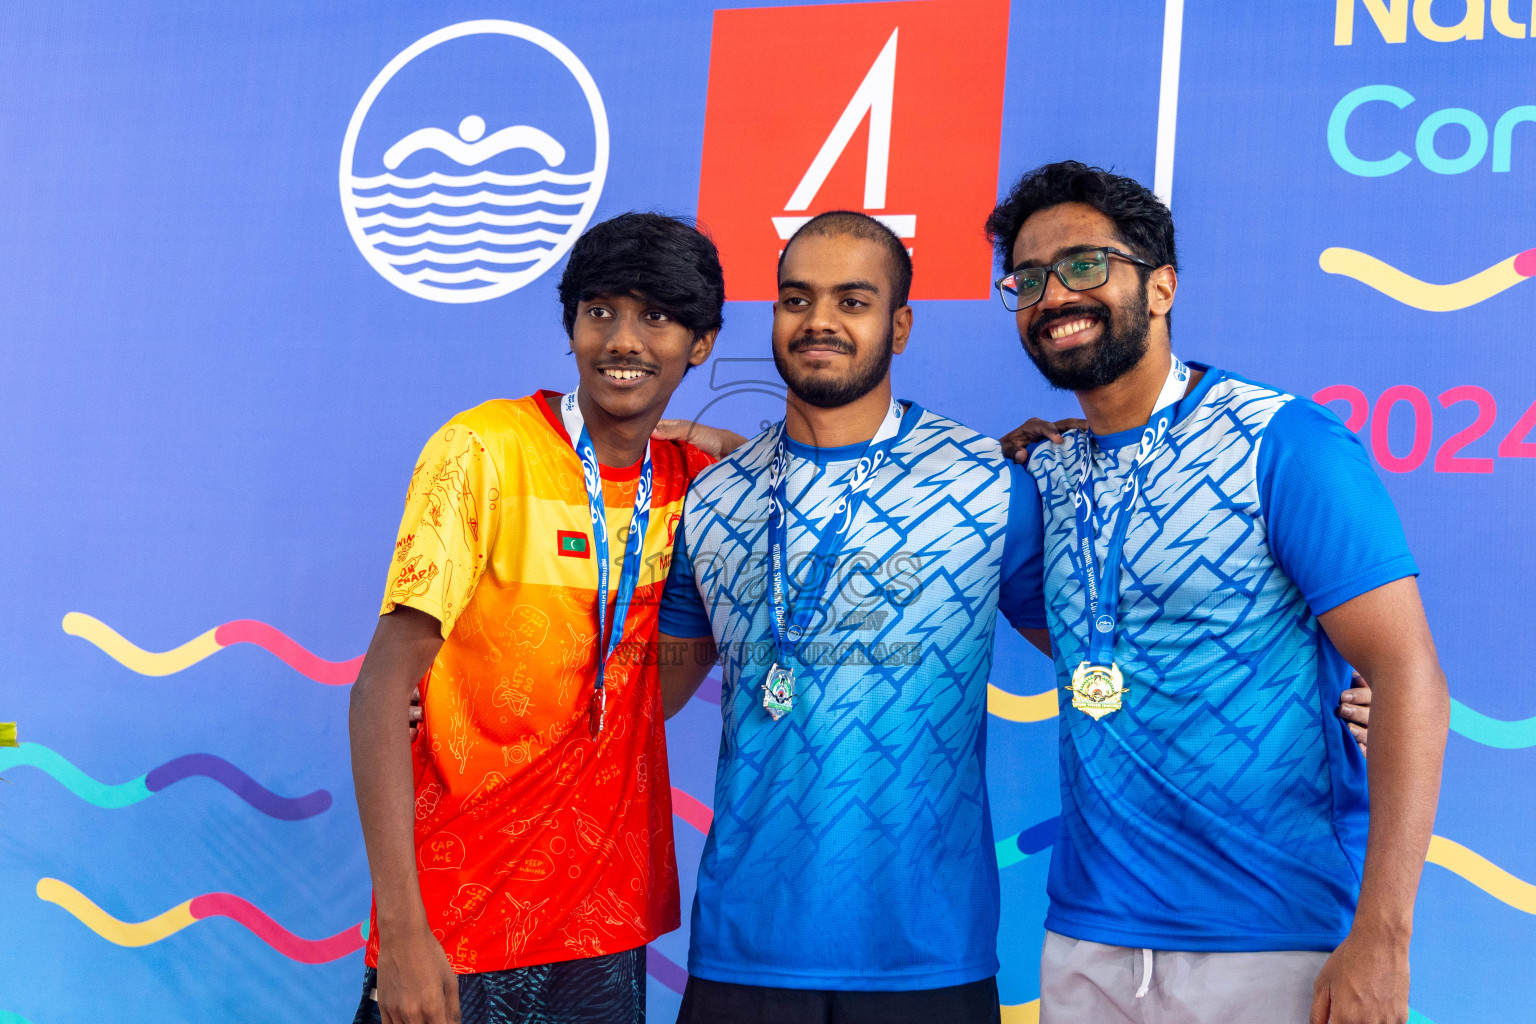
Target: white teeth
{"x":624,"y":374}
{"x":1069,"y":328}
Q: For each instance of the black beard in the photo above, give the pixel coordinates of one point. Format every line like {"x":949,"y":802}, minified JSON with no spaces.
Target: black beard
{"x":1119,"y":348}
{"x":832,"y":394}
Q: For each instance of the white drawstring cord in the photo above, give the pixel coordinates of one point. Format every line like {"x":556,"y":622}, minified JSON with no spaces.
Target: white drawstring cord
{"x":1146,"y":973}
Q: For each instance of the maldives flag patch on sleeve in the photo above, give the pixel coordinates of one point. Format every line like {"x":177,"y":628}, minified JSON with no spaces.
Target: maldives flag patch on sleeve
{"x":573,"y":544}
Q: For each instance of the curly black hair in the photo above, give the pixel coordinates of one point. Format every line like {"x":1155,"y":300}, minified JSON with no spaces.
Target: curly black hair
{"x":1141,"y":219}
{"x":662,"y":260}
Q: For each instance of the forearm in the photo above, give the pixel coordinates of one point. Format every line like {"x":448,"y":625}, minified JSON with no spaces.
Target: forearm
{"x":400,"y":653}
{"x":685,"y":664}
{"x":1409,"y":721}
{"x":386,"y":799}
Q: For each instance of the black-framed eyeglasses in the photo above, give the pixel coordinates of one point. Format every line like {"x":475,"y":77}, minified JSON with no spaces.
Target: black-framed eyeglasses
{"x":1082,"y":271}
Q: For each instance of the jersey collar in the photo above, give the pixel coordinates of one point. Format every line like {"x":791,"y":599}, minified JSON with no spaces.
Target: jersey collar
{"x":843,"y":453}
{"x":1186,"y":405}
{"x":612,"y":474}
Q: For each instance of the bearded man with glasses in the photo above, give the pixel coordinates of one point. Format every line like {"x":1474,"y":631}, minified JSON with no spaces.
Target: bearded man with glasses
{"x":1217,"y":553}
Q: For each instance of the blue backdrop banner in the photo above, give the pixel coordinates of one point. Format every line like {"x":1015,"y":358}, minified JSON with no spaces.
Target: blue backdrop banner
{"x":259,"y":252}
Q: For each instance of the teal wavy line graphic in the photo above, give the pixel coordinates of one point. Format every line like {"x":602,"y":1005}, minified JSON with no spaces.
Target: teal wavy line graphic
{"x":7,"y":1017}
{"x":50,"y":762}
{"x":1492,"y":732}
{"x":1020,"y":846}
{"x":126,"y":794}
{"x":1415,"y":1017}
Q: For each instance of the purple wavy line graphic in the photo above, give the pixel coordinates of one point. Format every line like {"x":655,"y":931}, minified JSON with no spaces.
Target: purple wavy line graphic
{"x":659,"y":966}
{"x":242,"y":785}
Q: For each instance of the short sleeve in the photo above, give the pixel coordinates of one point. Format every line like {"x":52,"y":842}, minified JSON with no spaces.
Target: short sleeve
{"x":1021,"y":597}
{"x":1332,"y":527}
{"x":682,"y":611}
{"x":696,"y":461}
{"x":446,"y":533}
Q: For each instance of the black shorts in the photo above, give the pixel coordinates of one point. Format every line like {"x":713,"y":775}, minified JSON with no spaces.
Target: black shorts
{"x":718,"y":1002}
{"x":596,"y":990}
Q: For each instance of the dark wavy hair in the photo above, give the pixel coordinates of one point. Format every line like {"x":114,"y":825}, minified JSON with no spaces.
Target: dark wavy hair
{"x":662,"y":260}
{"x":862,"y":225}
{"x":1143,"y":223}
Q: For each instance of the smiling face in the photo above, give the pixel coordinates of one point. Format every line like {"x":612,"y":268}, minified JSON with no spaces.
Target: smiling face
{"x":834,"y":330}
{"x":632,"y":355}
{"x":1084,"y":340}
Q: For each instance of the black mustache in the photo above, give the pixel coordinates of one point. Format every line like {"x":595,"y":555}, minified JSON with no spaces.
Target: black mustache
{"x":837,"y":344}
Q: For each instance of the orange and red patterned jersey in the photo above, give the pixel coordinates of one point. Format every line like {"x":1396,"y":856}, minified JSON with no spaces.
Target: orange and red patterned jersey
{"x":534,"y":842}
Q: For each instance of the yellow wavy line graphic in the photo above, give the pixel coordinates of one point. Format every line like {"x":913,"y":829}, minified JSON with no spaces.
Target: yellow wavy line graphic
{"x":1483,"y":873}
{"x":123,"y":933}
{"x":1434,"y":298}
{"x":1034,"y":707}
{"x":1022,"y":1013}
{"x":146,"y":663}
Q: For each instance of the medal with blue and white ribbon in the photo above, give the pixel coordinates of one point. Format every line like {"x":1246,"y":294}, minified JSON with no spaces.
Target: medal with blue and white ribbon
{"x":629,"y":574}
{"x":789,"y":631}
{"x":1098,"y":686}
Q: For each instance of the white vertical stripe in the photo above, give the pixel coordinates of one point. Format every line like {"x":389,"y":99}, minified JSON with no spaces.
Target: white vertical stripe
{"x":1168,"y":99}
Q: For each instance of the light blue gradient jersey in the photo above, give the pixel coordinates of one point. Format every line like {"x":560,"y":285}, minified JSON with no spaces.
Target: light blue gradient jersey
{"x":1224,"y":807}
{"x":852,"y":840}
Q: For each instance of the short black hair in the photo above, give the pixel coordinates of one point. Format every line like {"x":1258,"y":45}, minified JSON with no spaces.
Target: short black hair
{"x":663,"y":260}
{"x":862,"y":225}
{"x":1141,"y":219}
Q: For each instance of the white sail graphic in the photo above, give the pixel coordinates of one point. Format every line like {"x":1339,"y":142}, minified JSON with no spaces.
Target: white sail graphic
{"x":874,"y":98}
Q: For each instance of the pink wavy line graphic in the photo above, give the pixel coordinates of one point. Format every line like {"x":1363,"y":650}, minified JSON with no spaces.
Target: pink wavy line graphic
{"x":305,"y":951}
{"x":692,"y":810}
{"x":275,"y":641}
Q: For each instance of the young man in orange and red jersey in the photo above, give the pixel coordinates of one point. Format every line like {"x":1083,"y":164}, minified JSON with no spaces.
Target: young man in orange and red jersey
{"x":521,"y":846}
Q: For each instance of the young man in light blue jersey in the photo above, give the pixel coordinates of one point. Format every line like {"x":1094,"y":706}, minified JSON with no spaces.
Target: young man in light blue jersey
{"x":849,"y":564}
{"x":1218,"y":552}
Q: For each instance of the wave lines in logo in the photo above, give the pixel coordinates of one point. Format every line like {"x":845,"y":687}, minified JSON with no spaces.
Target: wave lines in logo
{"x":1433,"y":298}
{"x":112,"y":796}
{"x":469,"y":233}
{"x":199,"y":908}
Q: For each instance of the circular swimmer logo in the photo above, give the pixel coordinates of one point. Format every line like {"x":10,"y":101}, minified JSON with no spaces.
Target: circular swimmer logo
{"x":471,"y":164}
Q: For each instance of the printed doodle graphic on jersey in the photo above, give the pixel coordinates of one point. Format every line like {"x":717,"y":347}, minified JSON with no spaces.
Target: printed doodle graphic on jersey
{"x":455,"y":186}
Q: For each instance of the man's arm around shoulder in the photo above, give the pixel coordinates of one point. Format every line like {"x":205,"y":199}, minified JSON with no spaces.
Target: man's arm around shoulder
{"x":1384,"y":634}
{"x":685,"y":662}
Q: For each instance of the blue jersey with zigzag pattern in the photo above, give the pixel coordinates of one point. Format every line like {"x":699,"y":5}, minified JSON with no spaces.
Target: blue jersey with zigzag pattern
{"x":852,"y":840}
{"x":1224,"y":807}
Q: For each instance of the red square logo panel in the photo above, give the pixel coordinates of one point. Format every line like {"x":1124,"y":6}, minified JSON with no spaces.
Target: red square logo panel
{"x":894,"y":109}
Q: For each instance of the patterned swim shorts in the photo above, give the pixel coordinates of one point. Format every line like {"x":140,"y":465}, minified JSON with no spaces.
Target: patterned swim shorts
{"x":596,"y":990}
